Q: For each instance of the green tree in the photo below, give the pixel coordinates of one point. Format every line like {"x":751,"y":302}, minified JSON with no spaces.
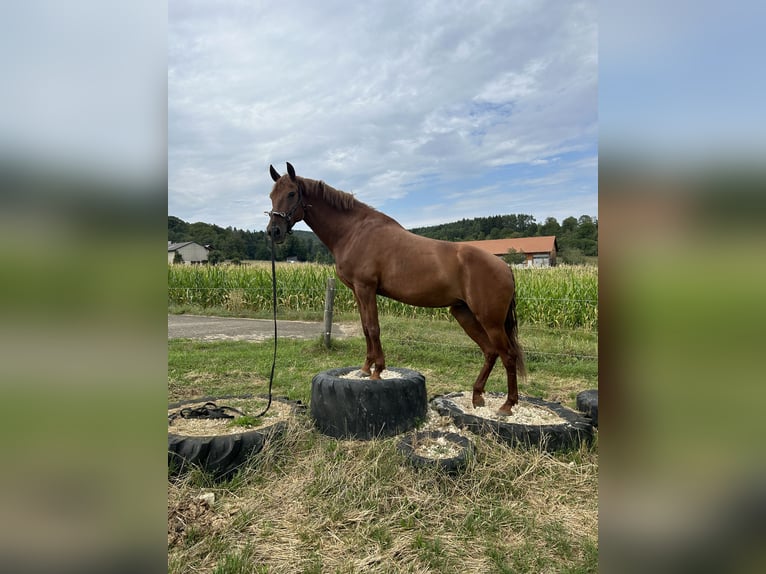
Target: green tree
{"x":525,"y":221}
{"x":572,"y":256}
{"x":215,"y":257}
{"x":569,"y":225}
{"x":550,"y":227}
{"x":514,"y":257}
{"x":178,"y":230}
{"x":586,"y":228}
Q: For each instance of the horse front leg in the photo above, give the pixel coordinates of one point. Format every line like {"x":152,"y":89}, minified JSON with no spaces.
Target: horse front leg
{"x":375,"y":362}
{"x":368,"y":358}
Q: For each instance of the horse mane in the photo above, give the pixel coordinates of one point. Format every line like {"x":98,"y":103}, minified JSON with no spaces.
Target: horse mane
{"x":341,"y":200}
{"x":333,"y":197}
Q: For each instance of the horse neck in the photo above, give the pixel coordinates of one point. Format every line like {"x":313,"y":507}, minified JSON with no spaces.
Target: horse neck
{"x":331,"y":224}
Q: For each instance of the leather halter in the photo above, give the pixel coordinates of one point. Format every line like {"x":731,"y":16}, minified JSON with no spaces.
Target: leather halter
{"x":288,"y":215}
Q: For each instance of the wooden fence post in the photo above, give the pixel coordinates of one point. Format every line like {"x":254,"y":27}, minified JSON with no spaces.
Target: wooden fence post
{"x":329,"y":301}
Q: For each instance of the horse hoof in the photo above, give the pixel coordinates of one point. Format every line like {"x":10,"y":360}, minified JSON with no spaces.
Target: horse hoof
{"x":506,"y":410}
{"x":478,"y":401}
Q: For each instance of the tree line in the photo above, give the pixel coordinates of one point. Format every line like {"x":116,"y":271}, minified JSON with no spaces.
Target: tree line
{"x":232,"y":244}
{"x":577,"y":238}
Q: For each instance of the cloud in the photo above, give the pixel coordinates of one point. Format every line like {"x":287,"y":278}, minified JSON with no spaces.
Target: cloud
{"x":678,"y":84}
{"x":392,"y":101}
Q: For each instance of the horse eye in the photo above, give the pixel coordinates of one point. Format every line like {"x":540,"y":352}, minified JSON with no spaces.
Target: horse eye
{"x":291,"y":194}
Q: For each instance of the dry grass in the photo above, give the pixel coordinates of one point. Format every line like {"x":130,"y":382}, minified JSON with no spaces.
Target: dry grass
{"x":315,"y":504}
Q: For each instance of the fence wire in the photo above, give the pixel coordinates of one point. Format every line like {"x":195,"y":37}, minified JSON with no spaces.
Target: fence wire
{"x":562,"y":299}
{"x":473,"y":349}
{"x":314,"y":291}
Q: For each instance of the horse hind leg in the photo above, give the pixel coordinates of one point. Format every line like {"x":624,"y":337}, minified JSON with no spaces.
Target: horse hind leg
{"x":478,"y":387}
{"x":494,"y":338}
{"x":473,"y":329}
{"x":509,"y":357}
{"x":512,"y":357}
{"x":513,"y":389}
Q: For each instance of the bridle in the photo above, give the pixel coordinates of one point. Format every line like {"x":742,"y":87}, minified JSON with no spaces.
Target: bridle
{"x":288,"y":215}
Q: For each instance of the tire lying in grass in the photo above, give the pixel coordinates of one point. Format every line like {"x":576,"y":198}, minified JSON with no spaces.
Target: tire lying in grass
{"x":221,"y":455}
{"x":563,"y":430}
{"x":587,"y":402}
{"x":363,"y":408}
{"x":447,"y":451}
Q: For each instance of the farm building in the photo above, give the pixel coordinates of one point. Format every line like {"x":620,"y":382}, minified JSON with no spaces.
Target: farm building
{"x":540,"y":251}
{"x":190,"y":252}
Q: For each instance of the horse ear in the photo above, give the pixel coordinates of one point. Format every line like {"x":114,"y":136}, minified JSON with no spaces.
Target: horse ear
{"x":291,"y":170}
{"x":274,"y":174}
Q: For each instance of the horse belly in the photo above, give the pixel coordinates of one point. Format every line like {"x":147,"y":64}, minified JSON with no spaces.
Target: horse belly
{"x":427,"y":274}
{"x":421,"y":290}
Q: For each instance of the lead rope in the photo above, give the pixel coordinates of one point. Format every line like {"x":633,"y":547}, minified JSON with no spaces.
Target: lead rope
{"x":274,"y":308}
{"x":212,"y":411}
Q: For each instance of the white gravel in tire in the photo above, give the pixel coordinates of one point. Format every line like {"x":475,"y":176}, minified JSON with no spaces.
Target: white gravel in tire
{"x":385,"y":374}
{"x":278,"y":411}
{"x":523,"y":413}
{"x":439,"y":447}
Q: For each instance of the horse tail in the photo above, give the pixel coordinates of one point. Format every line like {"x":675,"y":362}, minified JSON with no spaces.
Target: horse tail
{"x":512,"y":329}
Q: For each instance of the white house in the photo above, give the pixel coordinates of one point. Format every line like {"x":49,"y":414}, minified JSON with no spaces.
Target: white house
{"x":190,"y":252}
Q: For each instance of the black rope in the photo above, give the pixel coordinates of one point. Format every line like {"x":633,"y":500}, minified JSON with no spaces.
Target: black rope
{"x":209,"y":410}
{"x":212,"y":411}
{"x":274,"y":308}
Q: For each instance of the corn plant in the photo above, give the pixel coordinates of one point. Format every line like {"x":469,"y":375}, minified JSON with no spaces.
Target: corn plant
{"x":557,"y":297}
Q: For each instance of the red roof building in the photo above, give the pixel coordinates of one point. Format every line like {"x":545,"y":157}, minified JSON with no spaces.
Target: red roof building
{"x":540,"y":251}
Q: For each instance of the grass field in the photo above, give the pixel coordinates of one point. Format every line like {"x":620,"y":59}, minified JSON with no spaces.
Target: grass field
{"x":315,"y":504}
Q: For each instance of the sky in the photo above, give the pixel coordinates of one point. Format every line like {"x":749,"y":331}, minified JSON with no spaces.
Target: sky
{"x":428,"y":111}
{"x":682,"y":82}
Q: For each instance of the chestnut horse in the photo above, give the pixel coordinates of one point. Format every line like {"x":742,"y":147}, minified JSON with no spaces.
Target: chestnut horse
{"x":375,"y":255}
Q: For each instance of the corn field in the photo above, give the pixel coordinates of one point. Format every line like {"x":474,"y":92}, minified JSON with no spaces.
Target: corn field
{"x":559,"y":297}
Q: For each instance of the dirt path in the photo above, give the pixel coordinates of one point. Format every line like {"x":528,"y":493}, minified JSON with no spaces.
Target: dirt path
{"x":238,"y":329}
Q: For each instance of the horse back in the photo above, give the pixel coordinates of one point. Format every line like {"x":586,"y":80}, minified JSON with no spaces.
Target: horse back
{"x":422,"y":271}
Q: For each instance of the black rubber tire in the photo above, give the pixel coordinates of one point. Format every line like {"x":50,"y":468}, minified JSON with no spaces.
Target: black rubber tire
{"x":365,"y":408}
{"x":587,"y":402}
{"x":551,"y":438}
{"x":220,"y":456}
{"x":450,"y":465}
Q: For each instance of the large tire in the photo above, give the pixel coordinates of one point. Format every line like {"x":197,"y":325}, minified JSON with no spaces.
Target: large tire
{"x":365,"y":408}
{"x":222,"y":455}
{"x":553,"y":437}
{"x":587,"y":402}
{"x":451,"y":465}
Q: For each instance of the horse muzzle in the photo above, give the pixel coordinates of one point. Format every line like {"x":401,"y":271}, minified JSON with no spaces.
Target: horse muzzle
{"x":278,"y":231}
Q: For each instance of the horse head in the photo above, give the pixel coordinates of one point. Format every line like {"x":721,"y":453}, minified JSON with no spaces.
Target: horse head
{"x":287,"y":204}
